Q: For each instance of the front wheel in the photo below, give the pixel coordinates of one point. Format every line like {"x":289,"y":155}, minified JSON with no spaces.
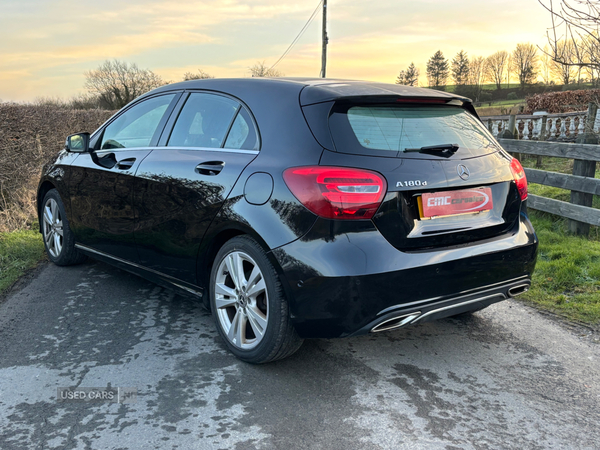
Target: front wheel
{"x":59,"y":240}
{"x":248,"y":303}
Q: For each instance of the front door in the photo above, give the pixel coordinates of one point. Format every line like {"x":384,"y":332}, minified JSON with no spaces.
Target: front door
{"x":102,"y":181}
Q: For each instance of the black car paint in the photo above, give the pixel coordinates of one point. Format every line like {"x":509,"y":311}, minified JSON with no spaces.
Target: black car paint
{"x":175,"y":205}
{"x":370,"y":275}
{"x":338,"y":275}
{"x":102,"y":214}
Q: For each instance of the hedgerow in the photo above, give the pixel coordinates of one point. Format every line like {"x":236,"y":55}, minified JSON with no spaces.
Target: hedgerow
{"x":30,"y":135}
{"x":561,"y":102}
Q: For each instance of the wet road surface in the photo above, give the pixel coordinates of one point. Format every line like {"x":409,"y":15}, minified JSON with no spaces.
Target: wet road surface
{"x":506,"y":378}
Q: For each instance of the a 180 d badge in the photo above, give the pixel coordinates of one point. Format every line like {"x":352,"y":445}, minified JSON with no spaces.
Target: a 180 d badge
{"x":411,"y":183}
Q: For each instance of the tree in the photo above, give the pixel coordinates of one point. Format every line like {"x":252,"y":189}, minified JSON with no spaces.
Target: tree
{"x":201,"y":75}
{"x":576,"y":21}
{"x":460,"y":68}
{"x":260,"y":70}
{"x":476,"y":76}
{"x":495,"y":66}
{"x":409,"y":77}
{"x":116,"y":83}
{"x":476,"y":71}
{"x":524,"y":63}
{"x":590,"y":53}
{"x":563,"y":72}
{"x":546,"y":66}
{"x":437,"y":71}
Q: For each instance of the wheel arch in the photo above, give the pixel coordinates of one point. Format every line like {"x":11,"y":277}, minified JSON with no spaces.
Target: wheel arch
{"x":213,"y":242}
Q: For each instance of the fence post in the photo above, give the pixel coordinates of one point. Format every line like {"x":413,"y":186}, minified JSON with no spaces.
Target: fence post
{"x":542,"y":137}
{"x":511,"y":132}
{"x":584,"y":169}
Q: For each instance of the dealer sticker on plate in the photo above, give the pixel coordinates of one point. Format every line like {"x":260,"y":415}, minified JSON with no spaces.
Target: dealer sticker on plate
{"x":456,"y":202}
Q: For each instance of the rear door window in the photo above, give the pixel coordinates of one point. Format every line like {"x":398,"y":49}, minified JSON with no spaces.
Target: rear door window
{"x":243,"y":133}
{"x":388,"y":130}
{"x":204,"y":121}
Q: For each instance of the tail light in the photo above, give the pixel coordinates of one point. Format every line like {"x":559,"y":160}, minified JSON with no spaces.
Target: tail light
{"x":520,"y":178}
{"x":337,"y":192}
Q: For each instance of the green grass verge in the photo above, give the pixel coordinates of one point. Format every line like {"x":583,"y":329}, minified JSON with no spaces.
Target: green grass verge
{"x":19,"y":251}
{"x":567,"y":276}
{"x":566,"y":280}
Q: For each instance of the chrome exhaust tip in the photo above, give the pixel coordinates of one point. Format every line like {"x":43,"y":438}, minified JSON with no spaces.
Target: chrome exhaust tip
{"x":395,"y":322}
{"x":518,"y":290}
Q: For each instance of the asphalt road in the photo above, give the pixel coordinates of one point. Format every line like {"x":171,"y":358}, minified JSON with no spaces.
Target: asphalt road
{"x":506,"y":378}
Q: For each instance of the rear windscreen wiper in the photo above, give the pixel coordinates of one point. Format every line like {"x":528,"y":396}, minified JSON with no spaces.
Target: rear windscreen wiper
{"x":444,"y":149}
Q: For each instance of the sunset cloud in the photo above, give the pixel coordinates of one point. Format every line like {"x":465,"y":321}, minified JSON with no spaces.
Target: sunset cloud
{"x":46,"y":46}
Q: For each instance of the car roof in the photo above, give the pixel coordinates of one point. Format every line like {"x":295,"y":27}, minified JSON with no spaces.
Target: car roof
{"x":316,"y":90}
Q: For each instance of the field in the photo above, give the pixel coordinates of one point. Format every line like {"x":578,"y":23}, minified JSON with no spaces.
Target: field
{"x":486,"y":87}
{"x":501,"y":108}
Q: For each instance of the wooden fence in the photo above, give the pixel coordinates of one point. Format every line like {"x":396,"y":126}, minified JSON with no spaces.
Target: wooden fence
{"x":581,"y":183}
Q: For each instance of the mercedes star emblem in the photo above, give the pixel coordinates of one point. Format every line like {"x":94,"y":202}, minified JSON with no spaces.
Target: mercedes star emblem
{"x":463,"y":172}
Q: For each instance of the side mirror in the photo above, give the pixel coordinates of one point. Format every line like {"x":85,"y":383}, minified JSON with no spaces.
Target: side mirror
{"x":78,"y":143}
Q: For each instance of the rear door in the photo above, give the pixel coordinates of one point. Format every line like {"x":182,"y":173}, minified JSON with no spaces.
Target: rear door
{"x":101,"y":182}
{"x":181,"y":185}
{"x":430,"y":153}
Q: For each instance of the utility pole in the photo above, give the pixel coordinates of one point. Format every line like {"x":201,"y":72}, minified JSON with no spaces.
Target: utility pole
{"x":325,"y":40}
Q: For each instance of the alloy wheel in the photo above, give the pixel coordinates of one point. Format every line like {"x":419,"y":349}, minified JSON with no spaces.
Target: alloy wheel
{"x":53,"y":228}
{"x":241,"y":300}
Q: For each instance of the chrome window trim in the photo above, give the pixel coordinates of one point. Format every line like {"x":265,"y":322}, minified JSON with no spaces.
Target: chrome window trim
{"x":210,"y":149}
{"x":115,"y":150}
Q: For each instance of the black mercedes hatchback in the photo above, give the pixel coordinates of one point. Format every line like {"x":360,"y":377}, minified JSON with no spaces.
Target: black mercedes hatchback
{"x":297,"y":208}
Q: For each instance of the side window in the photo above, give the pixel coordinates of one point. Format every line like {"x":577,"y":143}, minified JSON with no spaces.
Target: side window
{"x":242,"y":134}
{"x":136,"y":126}
{"x":203,"y":121}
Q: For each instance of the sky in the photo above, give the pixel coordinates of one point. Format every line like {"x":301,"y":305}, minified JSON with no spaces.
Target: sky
{"x":46,"y":46}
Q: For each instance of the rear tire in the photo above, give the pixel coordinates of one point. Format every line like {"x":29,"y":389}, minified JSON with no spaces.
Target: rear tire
{"x":59,"y":240}
{"x":248,"y":303}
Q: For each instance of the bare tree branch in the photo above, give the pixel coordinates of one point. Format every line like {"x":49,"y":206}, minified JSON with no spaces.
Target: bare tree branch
{"x":117,"y":83}
{"x":577,"y":22}
{"x":260,"y":70}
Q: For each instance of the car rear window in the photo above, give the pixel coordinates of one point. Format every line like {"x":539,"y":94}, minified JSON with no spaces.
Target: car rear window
{"x":388,"y":130}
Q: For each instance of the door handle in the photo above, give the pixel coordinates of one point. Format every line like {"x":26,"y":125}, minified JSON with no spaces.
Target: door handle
{"x":125,"y":164}
{"x":107,"y":161}
{"x":210,"y":167}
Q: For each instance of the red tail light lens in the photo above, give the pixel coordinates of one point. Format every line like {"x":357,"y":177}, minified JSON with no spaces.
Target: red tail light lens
{"x":337,"y":192}
{"x":520,"y":178}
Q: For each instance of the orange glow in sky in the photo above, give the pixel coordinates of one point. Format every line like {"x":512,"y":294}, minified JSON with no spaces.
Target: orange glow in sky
{"x":47,"y":45}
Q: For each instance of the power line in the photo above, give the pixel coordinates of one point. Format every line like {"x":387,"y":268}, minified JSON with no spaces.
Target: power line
{"x":299,"y":34}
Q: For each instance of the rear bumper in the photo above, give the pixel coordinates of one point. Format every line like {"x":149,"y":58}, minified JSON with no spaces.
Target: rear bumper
{"x":344,"y":279}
